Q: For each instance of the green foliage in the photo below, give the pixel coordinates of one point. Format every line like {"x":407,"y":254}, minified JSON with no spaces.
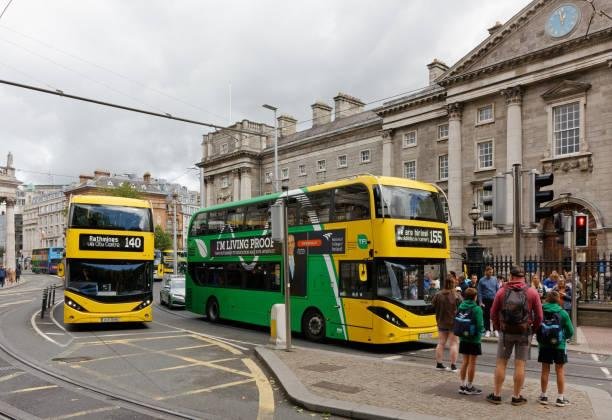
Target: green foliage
{"x":163,"y":240}
{"x":124,"y":190}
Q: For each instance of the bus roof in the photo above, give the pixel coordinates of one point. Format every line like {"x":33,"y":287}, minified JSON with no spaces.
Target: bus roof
{"x":110,"y":200}
{"x":365,"y":179}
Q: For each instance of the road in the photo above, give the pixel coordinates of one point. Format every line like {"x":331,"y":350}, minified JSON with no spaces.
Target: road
{"x":180,"y":362}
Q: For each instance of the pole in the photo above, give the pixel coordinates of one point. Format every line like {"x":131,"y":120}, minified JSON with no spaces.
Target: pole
{"x":175,"y":270}
{"x":287,"y":280}
{"x":276,"y":179}
{"x":574,"y":278}
{"x":202,"y":189}
{"x":516,"y":231}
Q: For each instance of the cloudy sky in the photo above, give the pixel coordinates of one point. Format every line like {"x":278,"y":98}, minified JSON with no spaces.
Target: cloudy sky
{"x":181,"y":57}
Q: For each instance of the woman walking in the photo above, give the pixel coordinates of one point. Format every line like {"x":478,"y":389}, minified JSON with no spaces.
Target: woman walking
{"x":445,"y":303}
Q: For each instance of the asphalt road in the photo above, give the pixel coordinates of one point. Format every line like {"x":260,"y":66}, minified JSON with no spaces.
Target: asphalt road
{"x":179,"y":361}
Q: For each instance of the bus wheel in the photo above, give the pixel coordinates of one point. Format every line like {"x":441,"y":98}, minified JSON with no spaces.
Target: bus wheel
{"x":313,"y":325}
{"x":212,"y":310}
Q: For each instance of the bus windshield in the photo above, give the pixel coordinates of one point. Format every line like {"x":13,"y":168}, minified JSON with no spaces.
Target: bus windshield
{"x":408,"y":281}
{"x":94,"y":216}
{"x":109,"y":277}
{"x":408,"y":203}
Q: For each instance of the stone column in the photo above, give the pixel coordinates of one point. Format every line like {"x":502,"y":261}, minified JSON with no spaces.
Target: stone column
{"x":210,"y":190}
{"x":10,"y":234}
{"x":455,"y":165}
{"x":236,"y":185}
{"x":514,"y":141}
{"x":245,"y":183}
{"x":387,"y":152}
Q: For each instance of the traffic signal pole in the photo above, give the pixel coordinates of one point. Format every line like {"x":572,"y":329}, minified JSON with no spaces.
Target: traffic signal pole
{"x":516,"y":231}
{"x":574,"y":279}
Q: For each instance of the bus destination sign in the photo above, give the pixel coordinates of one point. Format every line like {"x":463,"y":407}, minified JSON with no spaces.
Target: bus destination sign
{"x":95,"y":242}
{"x":421,"y":237}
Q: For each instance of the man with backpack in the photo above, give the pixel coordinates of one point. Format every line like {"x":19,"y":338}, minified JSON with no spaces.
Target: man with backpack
{"x":469,"y":327}
{"x":516,"y":312}
{"x":554,"y":330}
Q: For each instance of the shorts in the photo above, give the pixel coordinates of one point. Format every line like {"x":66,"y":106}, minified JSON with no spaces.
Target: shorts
{"x":443,"y":330}
{"x":466,"y":347}
{"x":550,"y":355}
{"x":509,"y":342}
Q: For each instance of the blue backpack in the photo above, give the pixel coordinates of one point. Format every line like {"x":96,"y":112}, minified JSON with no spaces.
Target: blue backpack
{"x":551,"y":329}
{"x":464,"y":324}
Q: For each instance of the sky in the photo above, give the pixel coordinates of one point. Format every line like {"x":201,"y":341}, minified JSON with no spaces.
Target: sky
{"x":211,"y":61}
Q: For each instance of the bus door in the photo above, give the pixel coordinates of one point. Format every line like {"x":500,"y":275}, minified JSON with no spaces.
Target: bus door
{"x":356,"y":291}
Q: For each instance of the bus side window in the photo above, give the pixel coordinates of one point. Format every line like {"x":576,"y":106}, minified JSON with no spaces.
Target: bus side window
{"x":216,"y":221}
{"x":292,"y":212}
{"x":319,"y":205}
{"x":351,"y":202}
{"x":351,"y":283}
{"x":199,"y":225}
{"x":235,"y":218}
{"x":256,"y":217}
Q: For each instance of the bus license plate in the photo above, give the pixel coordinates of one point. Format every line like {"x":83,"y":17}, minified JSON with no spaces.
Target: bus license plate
{"x":110,"y":319}
{"x":425,"y":335}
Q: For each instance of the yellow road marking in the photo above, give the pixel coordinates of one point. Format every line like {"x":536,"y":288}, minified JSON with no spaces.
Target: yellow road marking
{"x":221,"y":344}
{"x":194,"y":347}
{"x":209,"y":389}
{"x":129,"y":340}
{"x":36,"y":388}
{"x":83,"y":413}
{"x":266,"y":396}
{"x":11,"y":376}
{"x":141,"y":353}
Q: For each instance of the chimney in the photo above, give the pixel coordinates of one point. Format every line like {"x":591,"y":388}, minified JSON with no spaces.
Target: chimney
{"x":494,"y":28}
{"x":321,"y":113}
{"x":84,"y":178}
{"x":146,"y":178}
{"x":347,"y":105}
{"x":436,"y":69}
{"x":286,"y":125}
{"x":99,"y":173}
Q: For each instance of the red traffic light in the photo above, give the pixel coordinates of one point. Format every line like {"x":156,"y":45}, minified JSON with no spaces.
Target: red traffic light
{"x":581,"y":221}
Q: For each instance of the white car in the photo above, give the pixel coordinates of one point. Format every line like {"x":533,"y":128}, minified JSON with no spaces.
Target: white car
{"x":173,"y":291}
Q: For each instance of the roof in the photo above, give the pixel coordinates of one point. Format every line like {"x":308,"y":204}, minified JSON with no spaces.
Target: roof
{"x":110,"y":200}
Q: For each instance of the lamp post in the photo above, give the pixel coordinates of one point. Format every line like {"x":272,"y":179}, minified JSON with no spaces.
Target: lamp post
{"x":474,"y":214}
{"x":274,"y":109}
{"x":474,"y":250}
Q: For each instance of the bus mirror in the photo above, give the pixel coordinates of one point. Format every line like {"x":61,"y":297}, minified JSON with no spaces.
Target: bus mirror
{"x":363,"y":272}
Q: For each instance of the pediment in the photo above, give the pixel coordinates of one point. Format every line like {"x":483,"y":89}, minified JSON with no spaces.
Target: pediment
{"x":565,"y":89}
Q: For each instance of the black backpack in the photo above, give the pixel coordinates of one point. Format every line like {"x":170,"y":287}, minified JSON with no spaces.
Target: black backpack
{"x":551,"y":329}
{"x":464,"y":324}
{"x":515,"y":312}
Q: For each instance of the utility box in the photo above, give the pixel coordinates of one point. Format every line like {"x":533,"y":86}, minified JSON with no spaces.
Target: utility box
{"x":278,"y":337}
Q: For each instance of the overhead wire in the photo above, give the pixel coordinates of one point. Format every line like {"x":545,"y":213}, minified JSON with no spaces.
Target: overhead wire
{"x":5,"y":7}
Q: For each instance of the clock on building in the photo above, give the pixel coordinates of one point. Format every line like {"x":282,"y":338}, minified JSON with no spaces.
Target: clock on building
{"x":562,"y":20}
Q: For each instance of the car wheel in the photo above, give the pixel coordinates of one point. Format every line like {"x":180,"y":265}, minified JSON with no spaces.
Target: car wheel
{"x":161,"y":300}
{"x":212,"y":310}
{"x":170,"y":306}
{"x":313,"y":325}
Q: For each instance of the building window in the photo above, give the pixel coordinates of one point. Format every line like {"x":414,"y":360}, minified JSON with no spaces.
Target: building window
{"x":410,"y":169}
{"x":302,"y":170}
{"x":443,"y":132}
{"x":364,"y":156}
{"x":321,"y":165}
{"x":444,"y":204}
{"x":443,"y":167}
{"x":342,"y":161}
{"x":484,"y":150}
{"x":268,"y":177}
{"x":485,"y":114}
{"x":224,"y":181}
{"x":224,"y":148}
{"x":566,"y":128}
{"x":285,"y":173}
{"x":410,"y":139}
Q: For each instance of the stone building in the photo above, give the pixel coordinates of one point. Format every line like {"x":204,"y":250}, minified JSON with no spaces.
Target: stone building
{"x":537,"y":91}
{"x":8,"y":200}
{"x":44,"y":218}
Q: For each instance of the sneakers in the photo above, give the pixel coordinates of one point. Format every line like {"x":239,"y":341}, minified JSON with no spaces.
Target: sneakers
{"x":496,"y":333}
{"x":453,"y":368}
{"x":562,"y":402}
{"x":518,"y":401}
{"x":473,"y":391}
{"x":493,"y":399}
{"x":543,"y":400}
{"x":462,"y":389}
{"x":440,"y":366}
{"x":488,"y":334}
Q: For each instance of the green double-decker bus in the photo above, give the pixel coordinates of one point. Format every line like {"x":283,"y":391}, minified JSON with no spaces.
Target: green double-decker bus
{"x":364,"y":254}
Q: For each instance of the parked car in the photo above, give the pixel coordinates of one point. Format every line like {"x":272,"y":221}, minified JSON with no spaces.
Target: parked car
{"x":173,"y":291}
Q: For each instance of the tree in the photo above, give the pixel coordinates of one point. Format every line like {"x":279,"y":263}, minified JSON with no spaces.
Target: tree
{"x":162,"y":239}
{"x":123,"y":190}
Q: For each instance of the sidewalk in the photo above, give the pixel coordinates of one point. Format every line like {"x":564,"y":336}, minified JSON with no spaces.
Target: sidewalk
{"x":372,"y":388}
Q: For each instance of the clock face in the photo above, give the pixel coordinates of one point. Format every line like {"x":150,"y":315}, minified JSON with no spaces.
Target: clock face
{"x":563,"y":20}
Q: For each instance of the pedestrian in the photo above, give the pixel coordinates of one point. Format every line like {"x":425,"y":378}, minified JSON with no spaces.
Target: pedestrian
{"x":2,"y":275}
{"x":551,"y":281}
{"x":445,"y":303}
{"x":555,"y":330}
{"x":469,"y":343}
{"x":516,"y":312}
{"x":474,"y":279}
{"x":565,"y":294}
{"x":18,"y":273}
{"x":535,"y":283}
{"x":487,"y":288}
{"x":464,"y":284}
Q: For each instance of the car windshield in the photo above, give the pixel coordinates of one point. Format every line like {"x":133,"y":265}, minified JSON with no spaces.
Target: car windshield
{"x":177,"y":283}
{"x":408,"y":203}
{"x":94,"y":216}
{"x":408,"y":281}
{"x":109,"y":278}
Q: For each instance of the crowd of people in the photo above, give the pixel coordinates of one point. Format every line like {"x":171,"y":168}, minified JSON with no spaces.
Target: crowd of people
{"x":512,"y":310}
{"x":9,"y":276}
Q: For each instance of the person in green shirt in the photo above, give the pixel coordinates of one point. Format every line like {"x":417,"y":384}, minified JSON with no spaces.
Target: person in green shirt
{"x":557,"y":353}
{"x":469,"y":346}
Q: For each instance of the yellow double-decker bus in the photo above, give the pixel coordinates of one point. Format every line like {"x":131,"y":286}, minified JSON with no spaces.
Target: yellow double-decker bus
{"x":166,"y":263}
{"x":366,"y":255}
{"x":109,"y":260}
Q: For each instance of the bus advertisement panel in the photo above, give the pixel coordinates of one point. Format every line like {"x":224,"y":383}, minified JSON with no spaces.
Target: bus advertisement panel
{"x":109,"y":260}
{"x":365,"y":256}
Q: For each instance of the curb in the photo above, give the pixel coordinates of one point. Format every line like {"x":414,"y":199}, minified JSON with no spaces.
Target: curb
{"x":299,"y":394}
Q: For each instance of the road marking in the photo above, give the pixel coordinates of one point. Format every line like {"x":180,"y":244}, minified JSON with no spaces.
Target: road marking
{"x":127,"y":340}
{"x":50,"y":333}
{"x":209,"y":389}
{"x":392,"y":357}
{"x":217,"y":339}
{"x":43,"y":335}
{"x":17,"y":302}
{"x":194,"y":347}
{"x":36,"y":388}
{"x":83,"y":413}
{"x":11,"y":376}
{"x":595,"y":357}
{"x":61,"y":327}
{"x":124,"y":334}
{"x":606,"y":372}
{"x":266,"y":396}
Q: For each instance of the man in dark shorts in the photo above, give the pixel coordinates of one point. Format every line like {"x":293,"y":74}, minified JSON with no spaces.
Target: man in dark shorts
{"x":550,"y":352}
{"x":469,"y":345}
{"x":516,"y":312}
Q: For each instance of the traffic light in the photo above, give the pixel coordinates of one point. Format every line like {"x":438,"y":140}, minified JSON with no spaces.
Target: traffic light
{"x":581,"y":224}
{"x":496,"y":200}
{"x":537,"y":197}
{"x":563,"y":227}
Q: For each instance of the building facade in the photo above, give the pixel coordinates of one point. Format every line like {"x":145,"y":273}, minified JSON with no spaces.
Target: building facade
{"x":536,"y":92}
{"x":44,"y":217}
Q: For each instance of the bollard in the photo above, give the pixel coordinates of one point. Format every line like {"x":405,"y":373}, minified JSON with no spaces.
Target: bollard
{"x":44,"y":304}
{"x":277,"y":326}
{"x":53,"y":296}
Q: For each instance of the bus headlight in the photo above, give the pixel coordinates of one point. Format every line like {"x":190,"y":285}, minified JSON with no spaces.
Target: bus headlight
{"x":71,"y":303}
{"x":387,"y":315}
{"x":143,"y":304}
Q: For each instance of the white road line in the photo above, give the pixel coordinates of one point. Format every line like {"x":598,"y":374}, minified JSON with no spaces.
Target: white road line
{"x":595,"y":357}
{"x":83,"y":413}
{"x":43,"y":335}
{"x":49,"y":333}
{"x":61,"y":327}
{"x":17,"y":302}
{"x":36,"y":388}
{"x":11,"y":376}
{"x":212,"y":337}
{"x":392,"y":357}
{"x":606,"y":372}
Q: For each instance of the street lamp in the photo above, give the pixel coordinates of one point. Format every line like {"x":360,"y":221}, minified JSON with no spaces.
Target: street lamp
{"x":474,"y":214}
{"x":274,"y":109}
{"x":474,"y":251}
